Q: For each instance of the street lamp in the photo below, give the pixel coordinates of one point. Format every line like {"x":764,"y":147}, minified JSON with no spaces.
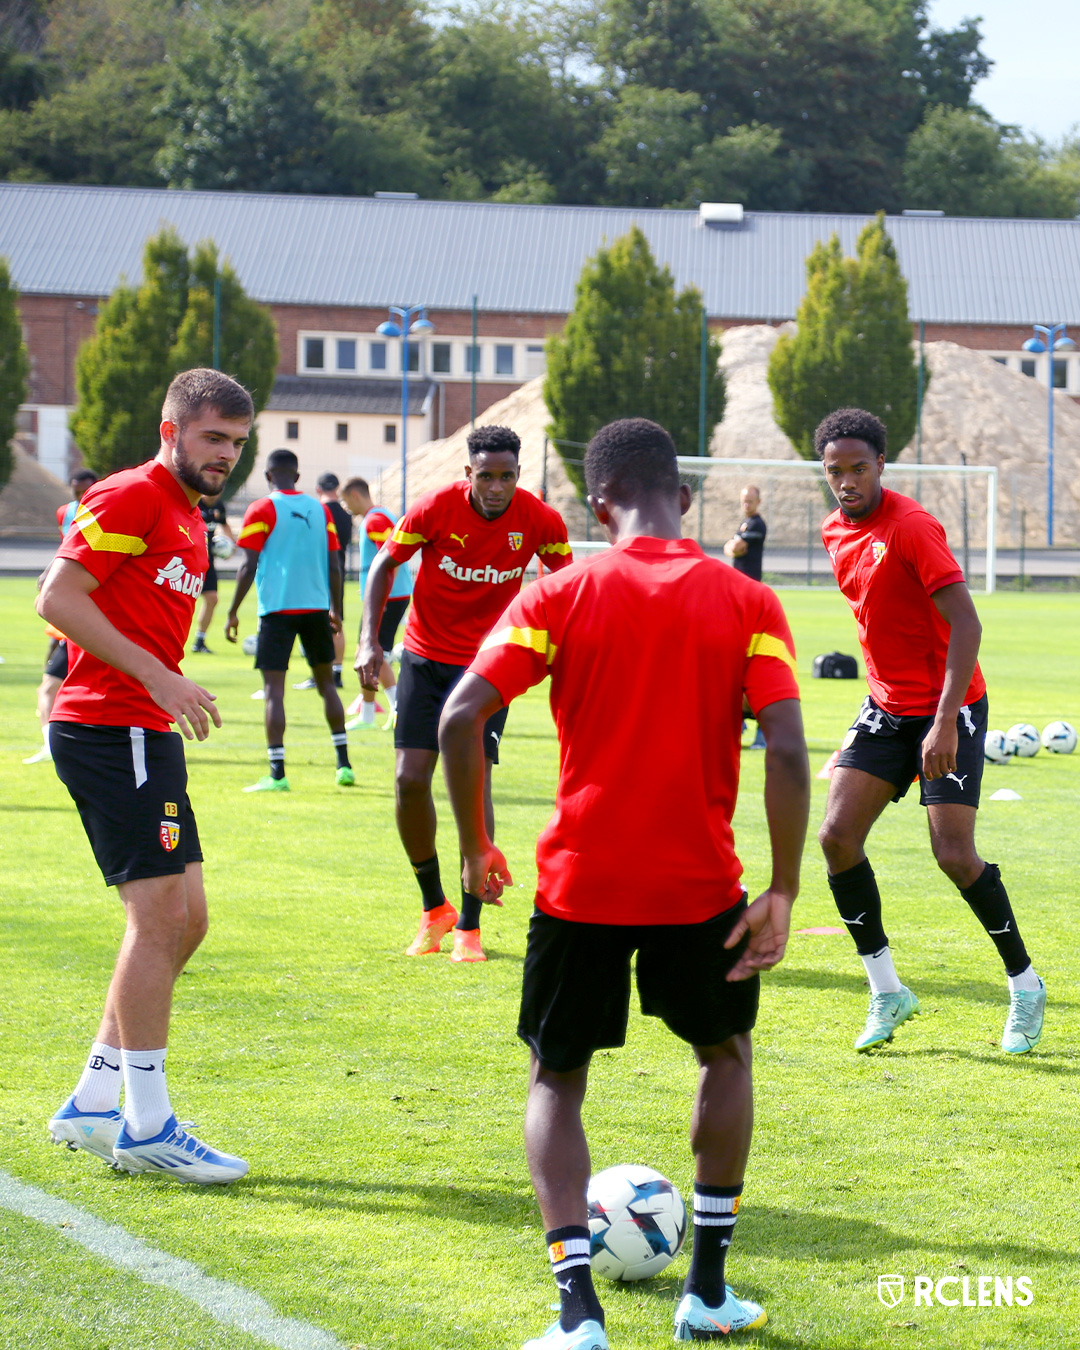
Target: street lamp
{"x":1054,"y":339}
{"x":410,"y":319}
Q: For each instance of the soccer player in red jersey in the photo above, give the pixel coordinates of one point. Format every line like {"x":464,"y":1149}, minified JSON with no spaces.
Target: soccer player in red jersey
{"x":639,"y":854}
{"x":925,"y":717}
{"x":123,"y":589}
{"x":476,"y":538}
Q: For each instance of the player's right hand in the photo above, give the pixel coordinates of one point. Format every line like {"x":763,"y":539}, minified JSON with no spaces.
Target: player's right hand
{"x":232,"y":626}
{"x":486,"y":875}
{"x":768,"y":922}
{"x":188,"y":704}
{"x":368,"y":663}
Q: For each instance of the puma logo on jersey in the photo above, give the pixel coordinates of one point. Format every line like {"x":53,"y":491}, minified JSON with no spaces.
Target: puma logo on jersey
{"x":491,"y":575}
{"x":959,"y":780}
{"x":878,"y":549}
{"x":460,"y":538}
{"x":178,"y":578}
{"x":299,"y":515}
{"x":184,"y":531}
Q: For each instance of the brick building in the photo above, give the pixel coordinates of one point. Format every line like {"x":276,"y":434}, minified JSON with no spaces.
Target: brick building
{"x":329,"y":267}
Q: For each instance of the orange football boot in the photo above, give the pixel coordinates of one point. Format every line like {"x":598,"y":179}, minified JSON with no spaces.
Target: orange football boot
{"x":434,"y":925}
{"x":467,"y":945}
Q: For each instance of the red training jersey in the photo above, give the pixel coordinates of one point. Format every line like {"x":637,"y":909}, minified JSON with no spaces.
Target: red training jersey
{"x":470,"y":567}
{"x":642,"y":827}
{"x":888,"y":566}
{"x":141,"y":539}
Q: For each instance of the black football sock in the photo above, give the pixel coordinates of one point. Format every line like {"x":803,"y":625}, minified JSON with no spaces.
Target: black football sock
{"x":989,"y":900}
{"x":715,"y":1210}
{"x":276,"y":754}
{"x":471,"y":906}
{"x":341,"y":747}
{"x":430,"y":883}
{"x":568,"y":1251}
{"x":859,"y":904}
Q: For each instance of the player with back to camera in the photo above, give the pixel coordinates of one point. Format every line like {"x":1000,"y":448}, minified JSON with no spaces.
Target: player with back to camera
{"x":640,"y":860}
{"x":212,"y":510}
{"x":326,"y":487}
{"x":56,"y":660}
{"x":476,"y":537}
{"x":288,"y":539}
{"x":375,"y":528}
{"x":925,"y":716}
{"x":123,"y":588}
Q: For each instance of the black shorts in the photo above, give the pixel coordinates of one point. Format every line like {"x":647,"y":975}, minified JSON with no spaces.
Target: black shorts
{"x":279,"y":631}
{"x":130,"y":786}
{"x":575,"y":993}
{"x":390,"y":622}
{"x":57,"y":664}
{"x":890,"y":747}
{"x":423,"y":688}
{"x":210,"y":580}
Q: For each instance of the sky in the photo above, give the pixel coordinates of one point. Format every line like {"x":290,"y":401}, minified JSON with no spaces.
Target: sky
{"x":1035,"y":48}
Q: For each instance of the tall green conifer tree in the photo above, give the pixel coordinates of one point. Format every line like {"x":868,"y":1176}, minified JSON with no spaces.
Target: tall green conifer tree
{"x":14,"y":369}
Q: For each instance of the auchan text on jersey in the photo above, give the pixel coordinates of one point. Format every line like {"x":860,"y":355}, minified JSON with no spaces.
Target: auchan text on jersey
{"x":488,"y":574}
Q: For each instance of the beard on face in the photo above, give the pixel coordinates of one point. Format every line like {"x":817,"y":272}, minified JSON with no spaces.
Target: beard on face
{"x":196,"y":479}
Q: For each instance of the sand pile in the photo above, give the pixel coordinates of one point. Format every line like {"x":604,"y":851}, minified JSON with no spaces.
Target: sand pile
{"x":28,"y":503}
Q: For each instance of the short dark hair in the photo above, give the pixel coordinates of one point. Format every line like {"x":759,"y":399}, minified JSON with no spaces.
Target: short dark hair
{"x":282,"y":461}
{"x":494,"y":440}
{"x":83,"y":476}
{"x":327,"y":482}
{"x":850,"y":424}
{"x":357,"y":485}
{"x":193,"y":390}
{"x":631,"y":458}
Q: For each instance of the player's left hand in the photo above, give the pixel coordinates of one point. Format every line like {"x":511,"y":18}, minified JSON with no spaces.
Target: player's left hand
{"x":485,"y":875}
{"x":768,"y":921}
{"x":939,"y":749}
{"x":335,"y":622}
{"x":232,"y":625}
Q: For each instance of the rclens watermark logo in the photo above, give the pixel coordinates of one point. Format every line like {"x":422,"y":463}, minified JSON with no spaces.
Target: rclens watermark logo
{"x":959,"y":1291}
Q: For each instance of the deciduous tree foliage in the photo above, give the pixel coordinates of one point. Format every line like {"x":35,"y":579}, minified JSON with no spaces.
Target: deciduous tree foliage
{"x":14,"y":368}
{"x":631,"y":348}
{"x":853,"y":346}
{"x":145,"y":335}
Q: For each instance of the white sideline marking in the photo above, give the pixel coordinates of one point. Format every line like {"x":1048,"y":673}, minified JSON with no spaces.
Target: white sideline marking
{"x":227,"y":1303}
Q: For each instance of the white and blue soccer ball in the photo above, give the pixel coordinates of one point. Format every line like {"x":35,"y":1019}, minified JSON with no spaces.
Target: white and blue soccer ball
{"x":637,"y":1220}
{"x":1059,"y":738}
{"x":998,"y":747}
{"x":250,"y":644}
{"x":1026,"y":739}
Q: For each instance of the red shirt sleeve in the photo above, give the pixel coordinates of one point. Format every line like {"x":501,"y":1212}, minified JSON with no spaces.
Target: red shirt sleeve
{"x":61,"y":511}
{"x":769,"y":674}
{"x":333,"y":543}
{"x":412,"y":531}
{"x":110,"y":526}
{"x":378,"y":527}
{"x":926,"y":550}
{"x":519,"y":650}
{"x":259,"y":519}
{"x":554,"y":549}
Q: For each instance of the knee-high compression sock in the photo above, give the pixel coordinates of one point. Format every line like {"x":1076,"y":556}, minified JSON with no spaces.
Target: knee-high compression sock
{"x":858,"y":902}
{"x":341,"y":748}
{"x":471,"y":905}
{"x":430,"y":883}
{"x":568,"y":1251}
{"x":989,"y":900}
{"x":715,"y":1211}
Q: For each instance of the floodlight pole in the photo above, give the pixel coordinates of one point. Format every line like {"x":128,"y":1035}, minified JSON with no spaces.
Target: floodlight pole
{"x":1054,"y":337}
{"x":409,"y":318}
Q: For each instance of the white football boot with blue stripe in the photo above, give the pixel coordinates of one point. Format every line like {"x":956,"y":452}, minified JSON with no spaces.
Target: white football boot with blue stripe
{"x":94,"y":1131}
{"x":177,"y":1154}
{"x":696,"y":1321}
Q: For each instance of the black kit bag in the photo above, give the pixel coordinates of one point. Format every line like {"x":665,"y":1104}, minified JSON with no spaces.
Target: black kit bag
{"x":835,"y":666}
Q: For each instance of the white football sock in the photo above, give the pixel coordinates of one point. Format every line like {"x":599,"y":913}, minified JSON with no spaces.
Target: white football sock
{"x":1027,"y":979}
{"x":146,"y":1097}
{"x":881,"y":973}
{"x":391,"y":697}
{"x":99,"y":1087}
{"x":367,"y":711}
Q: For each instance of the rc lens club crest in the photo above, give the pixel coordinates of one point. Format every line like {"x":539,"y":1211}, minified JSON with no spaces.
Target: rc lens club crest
{"x":890,"y":1289}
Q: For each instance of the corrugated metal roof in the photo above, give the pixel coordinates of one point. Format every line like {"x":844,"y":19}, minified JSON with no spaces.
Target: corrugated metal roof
{"x":370,"y":252}
{"x":331,"y":394}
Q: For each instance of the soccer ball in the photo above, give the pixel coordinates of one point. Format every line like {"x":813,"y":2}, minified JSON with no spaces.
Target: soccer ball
{"x":999,"y":747}
{"x":222,"y":547}
{"x":637,"y":1220}
{"x":1059,"y":738}
{"x":249,"y":644}
{"x":1026,"y":739}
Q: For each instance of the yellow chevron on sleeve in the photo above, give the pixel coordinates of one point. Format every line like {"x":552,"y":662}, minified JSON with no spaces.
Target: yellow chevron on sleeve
{"x":558,"y":546}
{"x":381,"y":536}
{"x":764,"y":644}
{"x":331,"y":528}
{"x":400,"y":537}
{"x":256,"y":527}
{"x":534,"y":639}
{"x":101,"y":541}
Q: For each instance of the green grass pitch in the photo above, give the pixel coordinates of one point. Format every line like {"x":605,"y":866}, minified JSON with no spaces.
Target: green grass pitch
{"x":379,"y":1099}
